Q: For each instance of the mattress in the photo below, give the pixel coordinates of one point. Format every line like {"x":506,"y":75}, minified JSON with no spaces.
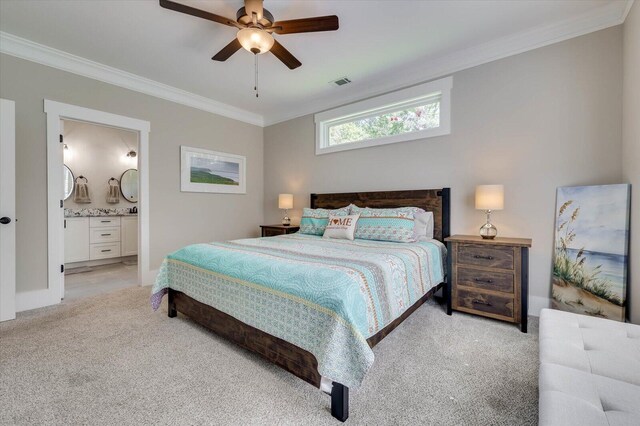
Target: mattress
{"x":323,"y":295}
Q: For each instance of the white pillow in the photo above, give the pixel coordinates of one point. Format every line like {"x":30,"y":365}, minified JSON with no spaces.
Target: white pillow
{"x":423,"y":226}
{"x":341,"y":227}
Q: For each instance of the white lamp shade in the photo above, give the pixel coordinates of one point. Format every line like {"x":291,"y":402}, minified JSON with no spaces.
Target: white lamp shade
{"x":285,"y":201}
{"x":490,"y":197}
{"x":255,"y":40}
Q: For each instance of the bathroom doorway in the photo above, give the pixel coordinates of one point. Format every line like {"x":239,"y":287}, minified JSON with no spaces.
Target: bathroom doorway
{"x":100,"y":181}
{"x":58,"y":179}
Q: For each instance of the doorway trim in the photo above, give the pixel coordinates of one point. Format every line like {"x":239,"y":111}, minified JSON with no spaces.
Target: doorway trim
{"x":57,"y":111}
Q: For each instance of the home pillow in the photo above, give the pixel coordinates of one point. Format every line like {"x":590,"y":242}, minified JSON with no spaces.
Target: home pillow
{"x":385,"y":224}
{"x":341,"y":227}
{"x":314,"y":221}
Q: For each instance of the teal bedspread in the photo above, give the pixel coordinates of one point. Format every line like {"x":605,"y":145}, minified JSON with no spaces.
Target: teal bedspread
{"x":325,"y":296}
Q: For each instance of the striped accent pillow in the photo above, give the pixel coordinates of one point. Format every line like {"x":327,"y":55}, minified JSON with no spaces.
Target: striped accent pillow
{"x":314,"y":221}
{"x":386,"y":224}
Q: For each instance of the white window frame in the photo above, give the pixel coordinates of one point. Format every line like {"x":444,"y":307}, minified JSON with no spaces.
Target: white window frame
{"x":405,"y":98}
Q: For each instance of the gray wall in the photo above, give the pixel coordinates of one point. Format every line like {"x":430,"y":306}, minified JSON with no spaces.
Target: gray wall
{"x":631,"y":145}
{"x":535,"y":121}
{"x":176,"y":218}
{"x":98,"y":153}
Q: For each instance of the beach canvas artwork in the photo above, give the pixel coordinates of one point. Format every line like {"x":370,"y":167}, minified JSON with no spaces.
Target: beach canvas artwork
{"x":591,"y":250}
{"x":211,"y":171}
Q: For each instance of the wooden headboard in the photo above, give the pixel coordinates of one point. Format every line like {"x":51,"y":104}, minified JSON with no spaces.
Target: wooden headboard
{"x":431,"y":200}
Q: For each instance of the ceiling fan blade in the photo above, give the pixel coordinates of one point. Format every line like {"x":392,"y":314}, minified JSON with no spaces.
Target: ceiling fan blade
{"x":285,"y":56}
{"x":227,"y":51}
{"x":254,"y":6}
{"x":183,"y":8}
{"x":306,"y":25}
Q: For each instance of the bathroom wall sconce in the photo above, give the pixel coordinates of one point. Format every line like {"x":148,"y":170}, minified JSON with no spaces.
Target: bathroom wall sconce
{"x":67,"y":154}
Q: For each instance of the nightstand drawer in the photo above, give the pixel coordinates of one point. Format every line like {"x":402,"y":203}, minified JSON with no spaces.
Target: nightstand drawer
{"x":470,"y":300}
{"x":272,"y":232}
{"x":275,"y":230}
{"x":488,"y":280}
{"x":486,"y":255}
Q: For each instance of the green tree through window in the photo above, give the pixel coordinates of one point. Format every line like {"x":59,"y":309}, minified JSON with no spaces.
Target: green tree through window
{"x":414,"y":113}
{"x":408,"y":120}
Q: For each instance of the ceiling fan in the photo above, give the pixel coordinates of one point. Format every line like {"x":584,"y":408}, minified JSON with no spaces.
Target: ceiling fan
{"x":255,"y":25}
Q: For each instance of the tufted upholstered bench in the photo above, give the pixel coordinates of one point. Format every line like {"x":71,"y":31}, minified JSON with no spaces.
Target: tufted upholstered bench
{"x":589,"y":371}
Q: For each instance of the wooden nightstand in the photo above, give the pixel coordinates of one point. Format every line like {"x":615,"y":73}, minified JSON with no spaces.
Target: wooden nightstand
{"x":273,"y":230}
{"x":490,"y":277}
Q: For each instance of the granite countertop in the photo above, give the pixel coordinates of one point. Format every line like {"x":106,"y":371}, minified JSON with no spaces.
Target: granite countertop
{"x":98,"y":212}
{"x":101,"y":215}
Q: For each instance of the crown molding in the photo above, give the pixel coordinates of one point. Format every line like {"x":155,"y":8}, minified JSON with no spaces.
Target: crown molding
{"x":428,"y":69}
{"x":35,"y":52}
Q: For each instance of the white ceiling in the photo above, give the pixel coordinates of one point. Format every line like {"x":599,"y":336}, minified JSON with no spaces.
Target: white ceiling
{"x":380,"y":46}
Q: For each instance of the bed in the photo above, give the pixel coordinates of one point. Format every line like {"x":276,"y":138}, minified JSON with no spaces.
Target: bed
{"x":313,"y":306}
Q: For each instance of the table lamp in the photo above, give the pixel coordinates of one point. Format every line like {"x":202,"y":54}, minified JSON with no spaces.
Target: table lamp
{"x":489,"y":198}
{"x":285,"y":202}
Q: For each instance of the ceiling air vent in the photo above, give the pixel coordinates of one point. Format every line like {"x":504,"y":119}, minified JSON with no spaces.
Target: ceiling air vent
{"x":341,"y":81}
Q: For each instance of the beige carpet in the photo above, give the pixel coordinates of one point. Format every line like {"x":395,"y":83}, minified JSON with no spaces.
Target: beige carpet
{"x":111,"y":360}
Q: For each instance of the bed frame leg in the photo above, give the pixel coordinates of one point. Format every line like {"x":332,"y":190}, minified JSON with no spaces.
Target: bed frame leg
{"x":340,"y":401}
{"x":173,"y":312}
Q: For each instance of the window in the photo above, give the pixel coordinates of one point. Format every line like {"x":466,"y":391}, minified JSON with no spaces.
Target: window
{"x":415,"y":113}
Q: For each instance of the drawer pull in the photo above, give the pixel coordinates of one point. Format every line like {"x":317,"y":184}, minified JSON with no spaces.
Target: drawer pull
{"x":105,"y":221}
{"x":480,"y":302}
{"x":477,"y":256}
{"x":104,"y":251}
{"x":484,"y":280}
{"x":105,"y":235}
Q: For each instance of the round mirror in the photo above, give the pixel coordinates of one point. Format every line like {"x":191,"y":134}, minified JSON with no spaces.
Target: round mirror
{"x":129,"y":185}
{"x":69,"y":181}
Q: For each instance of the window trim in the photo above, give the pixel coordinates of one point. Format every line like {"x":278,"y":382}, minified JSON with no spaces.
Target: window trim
{"x":380,"y":105}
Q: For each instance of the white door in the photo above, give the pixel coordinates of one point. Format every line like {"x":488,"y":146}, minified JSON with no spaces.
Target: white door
{"x":7,"y":210}
{"x":61,"y":248}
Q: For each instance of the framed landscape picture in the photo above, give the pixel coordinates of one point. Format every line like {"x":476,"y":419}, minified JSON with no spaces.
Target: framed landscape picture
{"x":591,"y":250}
{"x":210,"y":171}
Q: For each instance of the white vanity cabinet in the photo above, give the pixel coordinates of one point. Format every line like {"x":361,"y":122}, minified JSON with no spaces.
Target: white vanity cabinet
{"x":100,"y":238}
{"x":129,"y":236}
{"x":104,"y":237}
{"x":76,"y":239}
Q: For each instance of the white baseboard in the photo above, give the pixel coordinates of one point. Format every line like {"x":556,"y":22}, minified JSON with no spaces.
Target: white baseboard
{"x":27,"y":300}
{"x":537,"y":303}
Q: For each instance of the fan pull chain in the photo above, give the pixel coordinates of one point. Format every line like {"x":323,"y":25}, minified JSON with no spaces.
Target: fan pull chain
{"x":255,"y":87}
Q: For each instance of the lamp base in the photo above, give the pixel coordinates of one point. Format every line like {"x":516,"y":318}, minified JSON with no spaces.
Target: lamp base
{"x":286,"y":221}
{"x":488,"y":231}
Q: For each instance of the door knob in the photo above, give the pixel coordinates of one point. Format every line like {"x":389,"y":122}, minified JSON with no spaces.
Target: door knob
{"x":5,"y":220}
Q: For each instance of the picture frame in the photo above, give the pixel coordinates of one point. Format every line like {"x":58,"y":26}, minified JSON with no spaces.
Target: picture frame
{"x":203,"y":170}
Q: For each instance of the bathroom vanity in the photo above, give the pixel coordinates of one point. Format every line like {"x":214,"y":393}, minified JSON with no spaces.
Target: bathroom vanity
{"x":95,"y":237}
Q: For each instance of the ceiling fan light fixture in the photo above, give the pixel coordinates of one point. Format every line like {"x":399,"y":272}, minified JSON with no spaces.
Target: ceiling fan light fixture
{"x":255,"y":40}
